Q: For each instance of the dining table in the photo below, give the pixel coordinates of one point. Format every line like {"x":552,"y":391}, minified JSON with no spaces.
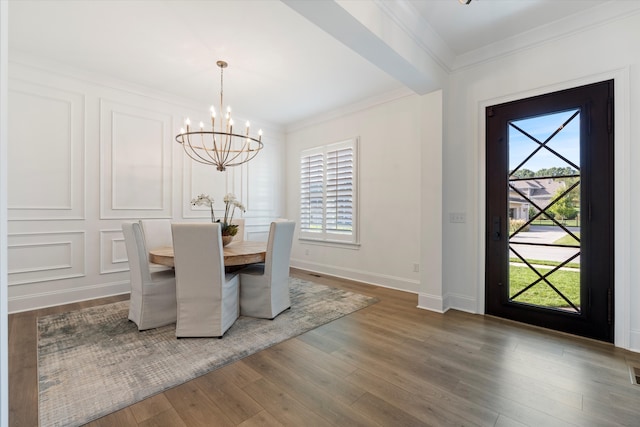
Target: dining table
{"x":235,"y":254}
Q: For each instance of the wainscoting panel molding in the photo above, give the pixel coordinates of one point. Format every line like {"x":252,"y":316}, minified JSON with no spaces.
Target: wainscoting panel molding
{"x":252,"y":183}
{"x":257,"y":184}
{"x":260,"y":235}
{"x":40,"y":257}
{"x":113,"y":253}
{"x":135,"y":158}
{"x":204,"y":179}
{"x":47,"y":142}
{"x":86,"y":154}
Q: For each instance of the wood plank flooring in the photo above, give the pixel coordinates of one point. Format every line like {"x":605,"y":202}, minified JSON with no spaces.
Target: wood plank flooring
{"x":390,"y":364}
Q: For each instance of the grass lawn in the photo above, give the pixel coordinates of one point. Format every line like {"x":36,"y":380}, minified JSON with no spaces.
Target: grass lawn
{"x":567,"y":282}
{"x":568,"y":240}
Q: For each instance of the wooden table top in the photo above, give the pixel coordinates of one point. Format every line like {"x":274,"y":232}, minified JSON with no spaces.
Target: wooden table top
{"x":235,"y":253}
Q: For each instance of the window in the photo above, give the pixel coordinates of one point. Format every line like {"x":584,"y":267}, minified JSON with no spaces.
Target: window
{"x":328,"y":187}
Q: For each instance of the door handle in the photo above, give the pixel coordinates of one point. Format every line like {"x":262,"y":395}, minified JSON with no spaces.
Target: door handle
{"x":496,"y":232}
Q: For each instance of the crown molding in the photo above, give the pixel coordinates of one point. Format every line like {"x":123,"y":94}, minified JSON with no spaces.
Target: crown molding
{"x":590,"y":18}
{"x":403,"y":13}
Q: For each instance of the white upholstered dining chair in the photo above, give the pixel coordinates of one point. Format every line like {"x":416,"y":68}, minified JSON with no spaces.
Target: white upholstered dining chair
{"x":153,"y":293}
{"x":207,"y":296}
{"x":264,"y":288}
{"x":239,"y":237}
{"x":157,"y":233}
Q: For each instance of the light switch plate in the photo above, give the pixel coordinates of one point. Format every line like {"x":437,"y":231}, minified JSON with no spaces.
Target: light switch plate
{"x":457,"y":217}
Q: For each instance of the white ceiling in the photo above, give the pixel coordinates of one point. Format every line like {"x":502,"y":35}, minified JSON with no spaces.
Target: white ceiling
{"x":282,"y":67}
{"x":484,"y":22}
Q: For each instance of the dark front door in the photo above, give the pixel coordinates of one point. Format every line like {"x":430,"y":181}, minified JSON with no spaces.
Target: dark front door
{"x":549,"y":251}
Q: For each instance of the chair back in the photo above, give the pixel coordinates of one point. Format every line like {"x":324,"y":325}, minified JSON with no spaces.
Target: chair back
{"x":239,"y":237}
{"x":152,"y":302}
{"x":156,"y":232}
{"x":198,"y":259}
{"x":278,"y":255}
{"x":136,"y":254}
{"x":207,"y":298}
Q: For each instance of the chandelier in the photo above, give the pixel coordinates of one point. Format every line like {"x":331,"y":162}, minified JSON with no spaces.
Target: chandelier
{"x":222,"y":147}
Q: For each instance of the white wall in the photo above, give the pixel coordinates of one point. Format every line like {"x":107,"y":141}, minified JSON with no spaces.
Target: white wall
{"x":87,"y":153}
{"x":600,"y":53}
{"x":4,"y":346}
{"x":431,"y":295}
{"x":396,"y":157}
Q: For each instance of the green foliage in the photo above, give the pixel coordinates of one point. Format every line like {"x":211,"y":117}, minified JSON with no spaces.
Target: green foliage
{"x":553,"y":171}
{"x":569,"y":223}
{"x":515,"y":224}
{"x":556,"y":171}
{"x":567,"y":206}
{"x":524,"y":173}
{"x":228,"y":229}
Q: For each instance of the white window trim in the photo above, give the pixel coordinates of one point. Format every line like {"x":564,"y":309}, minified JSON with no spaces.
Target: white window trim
{"x":324,"y":236}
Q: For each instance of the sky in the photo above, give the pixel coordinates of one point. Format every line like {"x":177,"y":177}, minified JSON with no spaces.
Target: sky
{"x":566,"y":142}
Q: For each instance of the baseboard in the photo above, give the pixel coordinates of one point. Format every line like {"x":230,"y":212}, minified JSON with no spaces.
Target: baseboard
{"x":431,"y":303}
{"x":385,"y":281}
{"x":634,"y":340}
{"x":460,"y":302}
{"x":66,"y":296}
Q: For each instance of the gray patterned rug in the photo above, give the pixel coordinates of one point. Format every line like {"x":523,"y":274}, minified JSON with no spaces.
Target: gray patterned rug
{"x":94,"y":361}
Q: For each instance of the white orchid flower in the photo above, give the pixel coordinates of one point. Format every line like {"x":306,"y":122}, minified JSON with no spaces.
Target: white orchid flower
{"x":202,"y":200}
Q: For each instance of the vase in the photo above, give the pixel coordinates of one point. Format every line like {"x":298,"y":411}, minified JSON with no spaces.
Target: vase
{"x":226,"y":240}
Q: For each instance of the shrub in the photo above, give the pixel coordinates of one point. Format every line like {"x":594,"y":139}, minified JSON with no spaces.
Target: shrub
{"x":515,"y":224}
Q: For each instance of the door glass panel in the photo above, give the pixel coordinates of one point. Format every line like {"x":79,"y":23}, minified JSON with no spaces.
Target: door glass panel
{"x":544,"y":211}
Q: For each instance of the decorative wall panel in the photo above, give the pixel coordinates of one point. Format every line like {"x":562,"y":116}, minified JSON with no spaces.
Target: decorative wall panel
{"x":46,"y":148}
{"x":113,"y":253}
{"x":259,"y":183}
{"x":39,"y":257}
{"x":86,"y":154}
{"x":258,"y":235}
{"x":205,"y":179}
{"x":252,"y":183}
{"x":135,"y":158}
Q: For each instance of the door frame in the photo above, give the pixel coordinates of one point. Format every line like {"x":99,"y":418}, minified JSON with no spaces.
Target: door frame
{"x":622,"y":195}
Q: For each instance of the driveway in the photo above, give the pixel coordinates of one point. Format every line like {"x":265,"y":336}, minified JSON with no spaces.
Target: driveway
{"x":543,"y":234}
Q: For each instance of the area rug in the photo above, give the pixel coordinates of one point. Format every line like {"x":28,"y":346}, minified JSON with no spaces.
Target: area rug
{"x":92,"y":362}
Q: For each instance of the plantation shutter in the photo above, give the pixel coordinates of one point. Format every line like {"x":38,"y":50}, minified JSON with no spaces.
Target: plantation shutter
{"x":328,"y":193}
{"x":339,"y":191}
{"x":311,"y":192}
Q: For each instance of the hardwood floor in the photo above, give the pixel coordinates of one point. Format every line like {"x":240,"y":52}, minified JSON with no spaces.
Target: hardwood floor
{"x":390,"y":364}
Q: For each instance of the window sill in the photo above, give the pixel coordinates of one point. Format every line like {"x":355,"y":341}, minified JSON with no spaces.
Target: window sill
{"x":330,"y":243}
